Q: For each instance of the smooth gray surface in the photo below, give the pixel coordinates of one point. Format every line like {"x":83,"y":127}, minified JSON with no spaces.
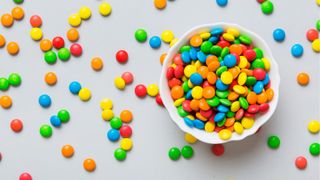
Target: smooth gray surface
{"x":154,"y":132}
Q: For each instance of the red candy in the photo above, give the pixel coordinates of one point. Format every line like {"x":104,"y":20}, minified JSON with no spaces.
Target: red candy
{"x":177,"y":59}
{"x":35,"y":21}
{"x":186,"y":106}
{"x":76,"y":49}
{"x":159,"y":100}
{"x":140,"y":90}
{"x":259,"y":74}
{"x":312,"y":34}
{"x":16,"y":125}
{"x":261,"y":1}
{"x":239,"y":114}
{"x":264,"y":107}
{"x":250,"y":54}
{"x":217,"y":149}
{"x":178,"y":71}
{"x":301,"y":162}
{"x":253,"y":109}
{"x":58,"y":42}
{"x":122,"y":56}
{"x":125,"y":131}
{"x":25,"y":176}
{"x":174,"y":82}
{"x":170,"y":73}
{"x":127,"y":77}
{"x":223,"y":43}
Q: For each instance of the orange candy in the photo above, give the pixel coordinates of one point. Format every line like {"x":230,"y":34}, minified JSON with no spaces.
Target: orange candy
{"x":196,"y":41}
{"x":252,"y":97}
{"x":213,"y":66}
{"x":229,"y":122}
{"x":200,"y":117}
{"x":203,"y":71}
{"x":97,"y":64}
{"x":236,"y":49}
{"x":7,"y":20}
{"x":17,"y":13}
{"x":247,"y":71}
{"x":208,"y":92}
{"x":160,"y":4}
{"x":50,"y":78}
{"x":13,"y":48}
{"x":210,"y":59}
{"x":5,"y":102}
{"x":194,"y":104}
{"x":212,"y":78}
{"x":126,"y":116}
{"x":262,"y":98}
{"x":73,"y":34}
{"x":235,"y":72}
{"x":203,"y":105}
{"x":162,"y":58}
{"x":233,"y":96}
{"x":177,"y":92}
{"x":89,"y":164}
{"x":303,"y":79}
{"x":270,"y":94}
{"x":2,"y":40}
{"x":67,"y":151}
{"x":45,"y":45}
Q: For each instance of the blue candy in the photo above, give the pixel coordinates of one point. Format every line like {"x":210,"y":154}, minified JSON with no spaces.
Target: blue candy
{"x":266,"y":80}
{"x":297,"y":50}
{"x":189,"y":94}
{"x":219,"y":117}
{"x":74,"y":87}
{"x":222,"y":3}
{"x":155,"y":42}
{"x":214,"y":39}
{"x":222,"y":63}
{"x":222,"y":108}
{"x":198,"y":124}
{"x":185,"y":56}
{"x":258,"y":87}
{"x":279,"y":35}
{"x":216,"y":31}
{"x":230,"y":60}
{"x":188,"y":122}
{"x":44,"y":100}
{"x":202,"y":57}
{"x":220,"y":86}
{"x":196,"y":79}
{"x":113,"y":135}
{"x":193,"y":54}
{"x":55,"y":121}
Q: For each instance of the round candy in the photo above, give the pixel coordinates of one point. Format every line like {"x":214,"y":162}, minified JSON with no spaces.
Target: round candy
{"x":155,"y":42}
{"x":120,"y":154}
{"x":190,"y":139}
{"x":125,"y":131}
{"x":74,"y":87}
{"x":35,"y":21}
{"x":5,"y":102}
{"x":74,"y":20}
{"x":274,"y":142}
{"x":73,"y":34}
{"x":159,"y":100}
{"x":230,"y":60}
{"x":14,"y":79}
{"x":116,"y":123}
{"x":106,"y":104}
{"x":187,"y":152}
{"x":279,"y":35}
{"x":140,"y":90}
{"x":67,"y":151}
{"x":58,"y":42}
{"x":50,"y":78}
{"x":16,"y":125}
{"x":196,"y":79}
{"x":141,"y":35}
{"x":64,"y":115}
{"x":174,"y":153}
{"x":55,"y":121}
{"x":44,"y":100}
{"x":89,"y":164}
{"x":267,"y":7}
{"x":45,"y":45}
{"x":167,"y":36}
{"x":316,"y":45}
{"x":126,"y":116}
{"x":4,"y":84}
{"x":122,"y":56}
{"x":303,"y":79}
{"x":222,"y":3}
{"x":301,"y":162}
{"x":318,"y":24}
{"x":25,"y":175}
{"x":76,"y":49}
{"x":127,"y":77}
{"x":85,"y":12}
{"x":18,"y":1}
{"x":107,"y":114}
{"x":314,"y":126}
{"x":152,"y":90}
{"x":84,"y":94}
{"x":297,"y":50}
{"x":96,"y":63}
{"x":17,"y":13}
{"x":119,"y":83}
{"x":113,"y":135}
{"x":105,"y":9}
{"x":50,"y":57}
{"x":162,"y":58}
{"x":46,"y":131}
{"x":13,"y":48}
{"x":217,"y":149}
{"x":126,"y":144}
{"x":226,"y":77}
{"x":312,"y":34}
{"x":314,"y":149}
{"x":7,"y":20}
{"x":2,"y":40}
{"x":160,"y":4}
{"x":64,"y":54}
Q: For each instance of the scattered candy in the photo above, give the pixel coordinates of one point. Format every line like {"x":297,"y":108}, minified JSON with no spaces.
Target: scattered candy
{"x":274,"y":142}
{"x":312,"y":34}
{"x":314,"y":149}
{"x":105,"y":9}
{"x":45,"y":45}
{"x":222,"y":3}
{"x":122,"y":56}
{"x":14,"y":79}
{"x":316,"y":45}
{"x":96,"y":63}
{"x":126,"y":116}
{"x":155,"y":42}
{"x":126,"y":144}
{"x":13,"y":48}
{"x":159,"y":100}
{"x":46,"y":131}
{"x":297,"y":50}
{"x":167,"y":36}
{"x":127,"y":77}
{"x":25,"y":175}
{"x":119,"y":83}
{"x":44,"y":100}
{"x":18,"y":1}
{"x":267,"y":7}
{"x":116,"y":123}
{"x":174,"y":153}
{"x":16,"y":125}
{"x":5,"y":102}
{"x":318,"y":25}
{"x":58,"y":42}
{"x":162,"y":58}
{"x":190,"y":139}
{"x":55,"y":121}
{"x":140,"y":90}
{"x":75,"y":87}
{"x":50,"y":78}
{"x":74,"y":20}
{"x":107,"y":114}
{"x":64,"y":54}
{"x":303,"y":79}
{"x":73,"y":34}
{"x":4,"y":84}
{"x":89,"y":164}
{"x":152,"y":90}
{"x":84,"y":13}
{"x":314,"y":126}
{"x":120,"y":154}
{"x":17,"y":13}
{"x":113,"y":135}
{"x":2,"y":41}
{"x":279,"y":35}
{"x":125,"y":131}
{"x":35,"y":21}
{"x":67,"y":151}
{"x":50,"y":57}
{"x":84,"y":94}
{"x":76,"y":49}
{"x":160,"y":4}
{"x":64,"y":115}
{"x":187,"y":152}
{"x":301,"y":162}
{"x":141,"y":35}
{"x":217,"y":149}
{"x":7,"y":20}
{"x":106,"y":104}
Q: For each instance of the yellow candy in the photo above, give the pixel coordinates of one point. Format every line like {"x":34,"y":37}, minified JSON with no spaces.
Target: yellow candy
{"x":36,"y":34}
{"x":243,"y":62}
{"x":238,"y":128}
{"x":178,"y":102}
{"x":74,"y":20}
{"x":242,"y":78}
{"x":225,"y":134}
{"x":107,"y":114}
{"x":119,"y":83}
{"x":314,"y":126}
{"x":239,"y":89}
{"x":227,"y":36}
{"x":105,"y":9}
{"x":167,"y":36}
{"x":197,"y":92}
{"x":198,"y":64}
{"x":106,"y":103}
{"x":266,"y":63}
{"x":205,"y":36}
{"x":190,"y":139}
{"x":85,"y":13}
{"x":316,"y":45}
{"x":173,"y":42}
{"x":226,"y":77}
{"x":126,"y":144}
{"x":190,"y":117}
{"x":189,"y":69}
{"x":84,"y":94}
{"x":318,"y":2}
{"x":209,"y":126}
{"x":152,"y":90}
{"x":233,"y":31}
{"x":184,"y":78}
{"x":235,"y":106}
{"x":173,"y":65}
{"x":190,"y":85}
{"x":247,"y":123}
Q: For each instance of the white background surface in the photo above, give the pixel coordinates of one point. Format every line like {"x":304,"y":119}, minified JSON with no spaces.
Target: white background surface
{"x":154,"y":132}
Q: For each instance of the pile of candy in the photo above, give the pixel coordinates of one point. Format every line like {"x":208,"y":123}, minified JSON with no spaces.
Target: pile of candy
{"x":219,"y":82}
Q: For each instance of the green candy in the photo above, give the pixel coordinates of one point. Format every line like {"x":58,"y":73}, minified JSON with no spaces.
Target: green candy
{"x":4,"y":84}
{"x":230,"y":114}
{"x":259,"y":53}
{"x":141,"y":35}
{"x":14,"y":79}
{"x":64,"y":54}
{"x":251,"y":81}
{"x":237,"y":41}
{"x":213,"y":102}
{"x":215,"y":50}
{"x":174,"y":153}
{"x":187,"y":152}
{"x":221,"y":69}
{"x":185,"y":48}
{"x":243,"y":103}
{"x":182,"y":112}
{"x":220,"y":59}
{"x":225,"y":102}
{"x":267,"y":7}
{"x":206,"y":46}
{"x":120,"y":154}
{"x":258,"y":63}
{"x":222,"y":94}
{"x":50,"y":57}
{"x":314,"y":149}
{"x":245,"y":39}
{"x":185,"y":86}
{"x":46,"y":131}
{"x":225,"y":51}
{"x":318,"y":25}
{"x":116,"y":123}
{"x":274,"y":142}
{"x":64,"y":115}
{"x":221,"y":123}
{"x":18,"y":1}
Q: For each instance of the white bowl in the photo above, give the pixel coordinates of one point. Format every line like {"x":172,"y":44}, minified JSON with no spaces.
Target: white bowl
{"x":212,"y":138}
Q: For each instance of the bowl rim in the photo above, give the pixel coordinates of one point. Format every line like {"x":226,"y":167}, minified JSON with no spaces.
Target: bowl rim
{"x":201,"y":134}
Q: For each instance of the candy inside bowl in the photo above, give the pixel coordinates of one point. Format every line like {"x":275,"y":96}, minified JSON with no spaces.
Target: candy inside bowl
{"x":216,"y":83}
